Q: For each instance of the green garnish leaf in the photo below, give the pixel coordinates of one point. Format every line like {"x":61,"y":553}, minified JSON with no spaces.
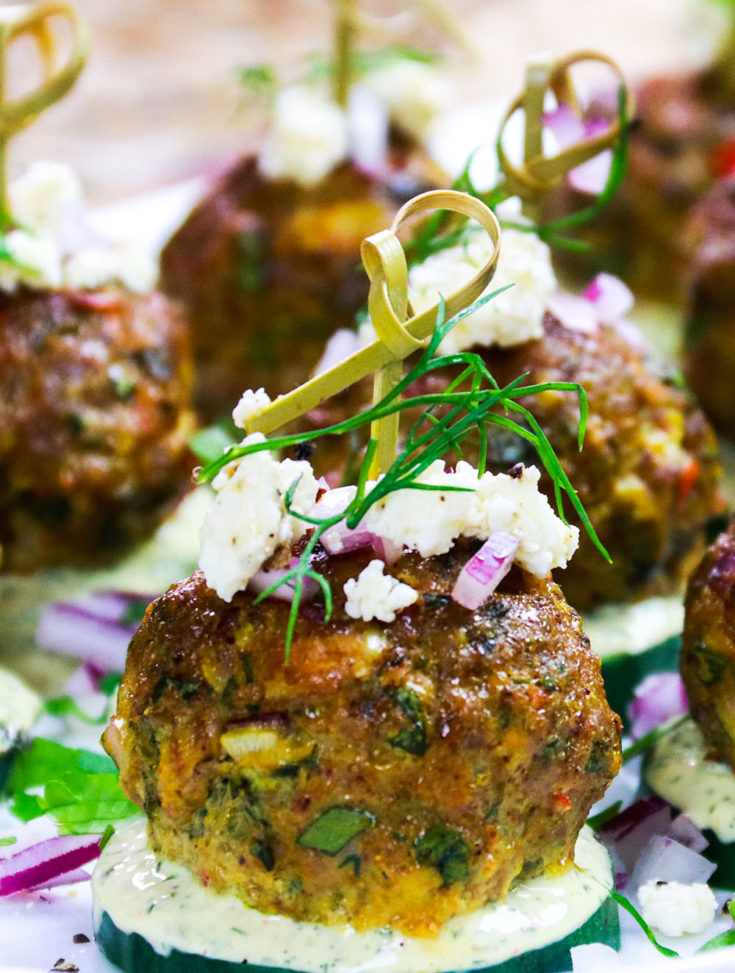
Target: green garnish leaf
{"x":650,"y":739}
{"x":81,"y":789}
{"x":209,"y":444}
{"x":334,"y":829}
{"x":446,"y":851}
{"x":597,"y":820}
{"x":412,"y":740}
{"x":645,"y":928}
{"x":4,"y":842}
{"x":67,"y":706}
{"x":259,"y":81}
{"x":110,"y":683}
{"x":726,"y":938}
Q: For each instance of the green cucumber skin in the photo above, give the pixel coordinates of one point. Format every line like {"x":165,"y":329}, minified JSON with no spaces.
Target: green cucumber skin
{"x":6,"y":762}
{"x":622,"y":673}
{"x":722,"y":854}
{"x":133,"y":954}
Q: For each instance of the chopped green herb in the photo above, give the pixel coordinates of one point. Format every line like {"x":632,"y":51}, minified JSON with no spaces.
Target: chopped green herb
{"x":134,"y":612}
{"x":353,"y":860}
{"x":650,"y":739}
{"x":208,"y":444}
{"x":334,"y":829}
{"x":446,"y":851}
{"x":646,"y":929}
{"x":81,"y":789}
{"x":597,"y":820}
{"x":67,"y":706}
{"x":4,"y":842}
{"x":412,"y":740}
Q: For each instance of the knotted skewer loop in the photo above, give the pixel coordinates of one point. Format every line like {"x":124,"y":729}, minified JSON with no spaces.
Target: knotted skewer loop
{"x":16,"y":113}
{"x":389,"y":306}
{"x":539,"y":173}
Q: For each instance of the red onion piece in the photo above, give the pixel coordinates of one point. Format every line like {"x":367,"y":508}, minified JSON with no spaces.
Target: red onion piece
{"x":686,"y":832}
{"x":341,"y":345}
{"x":665,"y":860}
{"x":611,"y":297}
{"x":575,"y":313}
{"x":89,"y":628}
{"x":484,"y":571}
{"x":34,"y":867}
{"x":285,"y":592}
{"x":66,"y":878}
{"x":591,"y":176}
{"x":629,"y":832}
{"x":565,"y":125}
{"x":657,"y":699}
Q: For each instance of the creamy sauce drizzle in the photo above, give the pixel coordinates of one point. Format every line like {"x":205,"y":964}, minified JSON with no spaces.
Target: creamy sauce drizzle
{"x":678,"y":770}
{"x":634,"y":628}
{"x":162,"y":902}
{"x":19,"y":707}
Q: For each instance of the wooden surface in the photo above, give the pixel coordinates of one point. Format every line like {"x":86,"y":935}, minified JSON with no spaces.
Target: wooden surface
{"x":158,"y":100}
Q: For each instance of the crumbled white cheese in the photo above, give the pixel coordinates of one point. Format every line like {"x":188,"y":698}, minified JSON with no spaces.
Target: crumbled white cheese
{"x":37,"y":262}
{"x":40,"y":198}
{"x":374,"y":594}
{"x":41,"y":202}
{"x":676,"y":909}
{"x":429,"y":521}
{"x":248,"y":521}
{"x":93,"y":267}
{"x":512,"y":317}
{"x":251,"y":404}
{"x":308,"y":137}
{"x":414,"y":95}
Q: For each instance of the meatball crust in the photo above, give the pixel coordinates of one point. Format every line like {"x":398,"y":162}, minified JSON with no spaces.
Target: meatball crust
{"x":459,"y":749}
{"x":94,"y":420}
{"x":709,"y":363}
{"x":648,"y":474}
{"x":267,"y":270}
{"x":708,"y":646}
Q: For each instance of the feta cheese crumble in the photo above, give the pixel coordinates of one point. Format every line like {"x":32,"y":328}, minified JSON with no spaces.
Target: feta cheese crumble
{"x":413,"y":94}
{"x":512,"y":317}
{"x":251,"y":404}
{"x":675,"y":908}
{"x":307,"y":138}
{"x":429,"y":521}
{"x":374,"y":594}
{"x":248,"y":521}
{"x":45,"y":201}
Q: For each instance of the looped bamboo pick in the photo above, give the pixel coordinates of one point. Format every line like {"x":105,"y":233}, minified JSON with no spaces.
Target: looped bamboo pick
{"x":35,"y":22}
{"x":400,"y":332}
{"x":539,"y":173}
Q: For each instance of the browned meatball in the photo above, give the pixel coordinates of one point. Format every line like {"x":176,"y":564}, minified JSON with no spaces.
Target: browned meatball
{"x":94,"y":420}
{"x":389,"y":774}
{"x":648,"y":475}
{"x":267,"y":270}
{"x":709,"y":361}
{"x":708,"y":646}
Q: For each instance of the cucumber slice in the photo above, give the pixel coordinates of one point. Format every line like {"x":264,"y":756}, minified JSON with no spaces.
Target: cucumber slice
{"x":134,"y":954}
{"x":622,"y":672}
{"x":153,"y":917}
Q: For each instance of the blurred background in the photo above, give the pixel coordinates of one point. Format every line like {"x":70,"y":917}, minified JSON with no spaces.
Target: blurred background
{"x":159,"y":100}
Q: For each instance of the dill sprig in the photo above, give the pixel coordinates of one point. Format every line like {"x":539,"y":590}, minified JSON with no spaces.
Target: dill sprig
{"x":471,"y":402}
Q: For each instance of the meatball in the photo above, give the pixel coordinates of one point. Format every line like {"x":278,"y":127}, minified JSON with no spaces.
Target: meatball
{"x":709,"y":362}
{"x":267,"y":270}
{"x":387,"y":774}
{"x":94,"y":420}
{"x":708,"y":646}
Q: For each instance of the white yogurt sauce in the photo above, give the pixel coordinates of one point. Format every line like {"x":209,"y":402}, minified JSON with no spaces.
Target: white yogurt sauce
{"x":19,"y":707}
{"x":162,"y":902}
{"x":678,"y":770}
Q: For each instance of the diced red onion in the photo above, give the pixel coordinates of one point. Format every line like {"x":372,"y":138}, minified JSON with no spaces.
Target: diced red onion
{"x":89,"y":628}
{"x":485,"y":570}
{"x":665,"y":860}
{"x":686,"y":832}
{"x":386,"y":549}
{"x":566,"y":126}
{"x":575,"y":313}
{"x":285,"y":592}
{"x":368,"y":124}
{"x":611,"y":297}
{"x":65,"y":878}
{"x":591,"y":176}
{"x":629,"y":832}
{"x":657,"y":699}
{"x":341,"y":345}
{"x":40,"y":864}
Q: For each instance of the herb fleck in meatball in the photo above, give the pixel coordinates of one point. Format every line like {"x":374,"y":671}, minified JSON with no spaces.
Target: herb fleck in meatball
{"x":393,"y":773}
{"x":708,"y":646}
{"x":94,"y":420}
{"x":267,"y":270}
